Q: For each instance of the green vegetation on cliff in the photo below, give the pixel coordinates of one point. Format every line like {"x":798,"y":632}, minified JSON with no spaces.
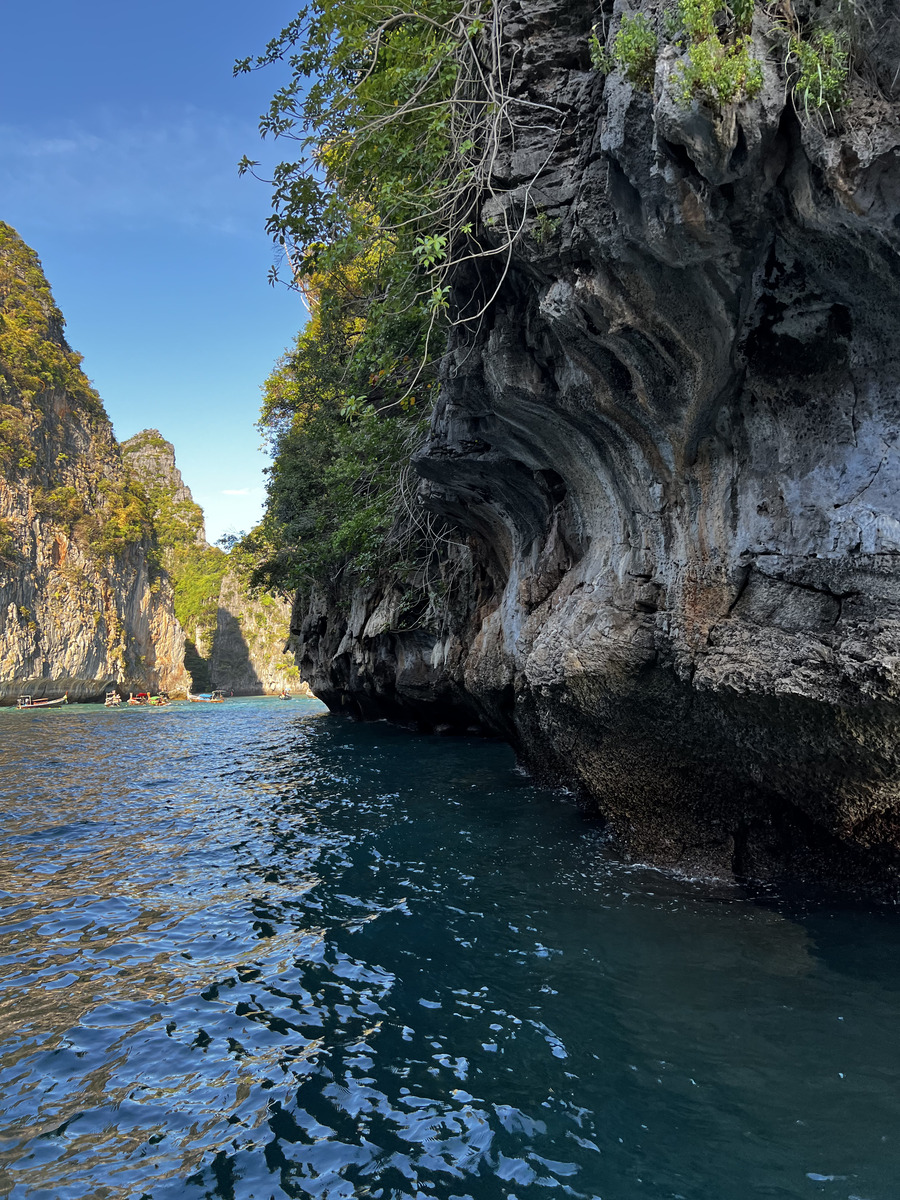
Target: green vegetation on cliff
{"x":34,"y":356}
{"x":9,"y":551}
{"x":383,"y":162}
{"x":178,"y":523}
{"x":720,"y":66}
{"x":197,"y":572}
{"x":402,"y":118}
{"x":366,"y":219}
{"x":41,"y":386}
{"x":341,"y":424}
{"x":122,"y":517}
{"x":195,"y":569}
{"x":150,"y":460}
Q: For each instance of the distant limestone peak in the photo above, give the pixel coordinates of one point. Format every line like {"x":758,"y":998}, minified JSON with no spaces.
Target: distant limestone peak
{"x":150,"y":461}
{"x":37,"y":365}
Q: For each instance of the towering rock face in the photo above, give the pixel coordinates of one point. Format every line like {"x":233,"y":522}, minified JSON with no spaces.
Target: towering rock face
{"x":83,"y":603}
{"x":671,"y":448}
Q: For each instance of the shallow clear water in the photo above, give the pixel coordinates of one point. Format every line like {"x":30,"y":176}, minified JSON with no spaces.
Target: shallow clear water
{"x":257,"y":951}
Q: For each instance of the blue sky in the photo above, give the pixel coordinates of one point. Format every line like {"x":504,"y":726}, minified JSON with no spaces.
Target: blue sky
{"x":120,"y":130}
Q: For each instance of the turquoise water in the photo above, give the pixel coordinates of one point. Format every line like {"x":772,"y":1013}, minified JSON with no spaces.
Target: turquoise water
{"x":253,"y":951}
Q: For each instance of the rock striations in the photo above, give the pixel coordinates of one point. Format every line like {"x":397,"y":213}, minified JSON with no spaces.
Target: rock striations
{"x":82,"y":606}
{"x":669,"y":455}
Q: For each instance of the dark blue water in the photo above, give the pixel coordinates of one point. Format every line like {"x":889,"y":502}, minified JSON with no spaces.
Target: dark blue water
{"x":256,"y":951}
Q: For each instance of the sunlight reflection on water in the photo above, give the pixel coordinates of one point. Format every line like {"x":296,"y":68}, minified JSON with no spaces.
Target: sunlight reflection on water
{"x":259,"y":951}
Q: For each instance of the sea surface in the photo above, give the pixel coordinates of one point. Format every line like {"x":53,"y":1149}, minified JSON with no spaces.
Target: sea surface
{"x":254,"y":950}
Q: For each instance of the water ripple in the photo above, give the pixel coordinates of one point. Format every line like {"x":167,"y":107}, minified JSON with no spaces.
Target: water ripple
{"x":260,"y":952}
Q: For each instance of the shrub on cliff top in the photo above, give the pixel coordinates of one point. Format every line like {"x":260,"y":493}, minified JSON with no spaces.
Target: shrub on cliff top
{"x":823,"y":71}
{"x":146,"y":439}
{"x":720,"y":67}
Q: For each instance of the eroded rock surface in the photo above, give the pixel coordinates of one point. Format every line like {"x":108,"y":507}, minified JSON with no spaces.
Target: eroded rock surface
{"x":668,"y":453}
{"x":81,"y":606}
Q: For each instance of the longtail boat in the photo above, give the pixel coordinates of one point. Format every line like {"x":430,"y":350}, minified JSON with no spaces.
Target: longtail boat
{"x":29,"y":702}
{"x":207,"y":697}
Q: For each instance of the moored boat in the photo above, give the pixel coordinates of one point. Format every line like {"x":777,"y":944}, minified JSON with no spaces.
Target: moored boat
{"x":113,"y":700}
{"x":215,"y":697}
{"x":29,"y":702}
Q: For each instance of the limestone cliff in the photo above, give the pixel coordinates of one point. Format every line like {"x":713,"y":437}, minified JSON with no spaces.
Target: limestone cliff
{"x":194,"y":568}
{"x":83,"y":602}
{"x":670,"y":448}
{"x":249,"y":655}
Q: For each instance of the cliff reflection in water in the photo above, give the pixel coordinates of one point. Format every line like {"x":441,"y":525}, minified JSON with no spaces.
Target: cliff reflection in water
{"x":255,"y":950}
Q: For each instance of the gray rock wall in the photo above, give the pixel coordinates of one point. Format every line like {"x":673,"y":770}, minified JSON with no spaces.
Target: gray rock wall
{"x":81,"y":607}
{"x":670,"y":452}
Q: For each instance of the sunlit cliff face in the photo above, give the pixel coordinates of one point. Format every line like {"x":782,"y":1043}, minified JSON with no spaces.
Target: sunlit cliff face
{"x":81,"y":606}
